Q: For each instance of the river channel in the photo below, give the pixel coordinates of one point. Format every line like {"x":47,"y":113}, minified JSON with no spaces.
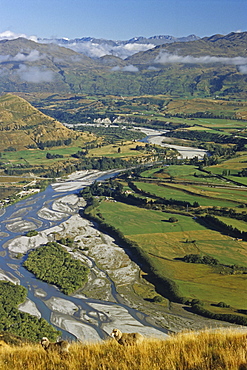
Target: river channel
{"x":76,"y":316}
{"x":105,"y":302}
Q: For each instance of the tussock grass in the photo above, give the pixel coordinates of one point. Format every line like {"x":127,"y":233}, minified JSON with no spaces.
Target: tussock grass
{"x":219,"y":350}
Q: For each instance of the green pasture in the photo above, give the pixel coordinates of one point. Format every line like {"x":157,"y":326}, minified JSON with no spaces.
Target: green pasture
{"x":239,"y":224}
{"x":165,"y":243}
{"x":216,"y":288}
{"x":241,"y":180}
{"x":111,"y":150}
{"x":221,"y":123}
{"x":176,"y":192}
{"x":184,"y":173}
{"x":235,"y":164}
{"x":207,"y":129}
{"x":38,"y":156}
{"x":235,"y":195}
{"x":133,"y":220}
{"x":227,"y":195}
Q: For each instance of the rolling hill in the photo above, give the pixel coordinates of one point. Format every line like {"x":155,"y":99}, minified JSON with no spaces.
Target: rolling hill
{"x":22,"y":126}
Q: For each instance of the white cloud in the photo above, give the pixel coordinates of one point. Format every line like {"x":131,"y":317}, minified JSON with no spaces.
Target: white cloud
{"x":9,"y":35}
{"x":165,"y":58}
{"x":116,"y":69}
{"x":4,"y":58}
{"x":35,"y":74}
{"x":33,"y":56}
{"x":243,"y":69}
{"x":95,"y":50}
{"x":129,"y":68}
{"x":152,"y":68}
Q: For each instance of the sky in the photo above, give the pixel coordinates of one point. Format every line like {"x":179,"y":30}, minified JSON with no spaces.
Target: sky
{"x":122,"y":19}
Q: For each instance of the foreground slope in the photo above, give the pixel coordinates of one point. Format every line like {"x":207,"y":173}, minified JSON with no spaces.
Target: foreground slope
{"x":223,"y":350}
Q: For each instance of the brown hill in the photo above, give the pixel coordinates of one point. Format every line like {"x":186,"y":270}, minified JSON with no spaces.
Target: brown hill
{"x":23,"y":126}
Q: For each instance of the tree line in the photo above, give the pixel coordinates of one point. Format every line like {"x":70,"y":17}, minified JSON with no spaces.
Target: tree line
{"x":216,"y":224}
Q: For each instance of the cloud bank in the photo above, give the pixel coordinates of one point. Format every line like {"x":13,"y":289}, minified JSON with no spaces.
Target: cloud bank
{"x":165,"y":58}
{"x":32,"y":74}
{"x":243,"y":69}
{"x":33,"y":56}
{"x":95,"y":50}
{"x":35,"y":74}
{"x":129,"y":68}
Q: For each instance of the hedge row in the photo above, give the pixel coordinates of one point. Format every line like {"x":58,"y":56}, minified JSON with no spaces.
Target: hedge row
{"x":235,"y":319}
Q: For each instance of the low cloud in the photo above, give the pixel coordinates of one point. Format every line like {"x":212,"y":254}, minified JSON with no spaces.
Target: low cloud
{"x":35,"y":74}
{"x":152,"y":68}
{"x":9,"y":35}
{"x":243,"y":69}
{"x":129,"y":68}
{"x":95,"y":50}
{"x":33,"y":56}
{"x":165,"y":58}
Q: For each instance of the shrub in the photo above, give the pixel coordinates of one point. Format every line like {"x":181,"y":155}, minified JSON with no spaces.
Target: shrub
{"x":32,"y":233}
{"x":223,"y":305}
{"x":173,"y":219}
{"x":157,"y":299}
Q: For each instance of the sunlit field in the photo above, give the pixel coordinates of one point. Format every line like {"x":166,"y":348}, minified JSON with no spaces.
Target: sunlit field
{"x":166,"y":243}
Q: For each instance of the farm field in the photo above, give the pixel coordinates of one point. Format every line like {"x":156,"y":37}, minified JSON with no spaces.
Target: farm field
{"x":38,"y":157}
{"x":176,"y":192}
{"x":234,"y":164}
{"x":234,"y":195}
{"x":166,"y":243}
{"x":183,"y":173}
{"x":116,"y":150}
{"x":239,"y":224}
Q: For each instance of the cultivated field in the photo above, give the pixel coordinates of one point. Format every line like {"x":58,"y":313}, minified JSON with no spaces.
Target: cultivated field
{"x":190,"y":194}
{"x":166,"y":243}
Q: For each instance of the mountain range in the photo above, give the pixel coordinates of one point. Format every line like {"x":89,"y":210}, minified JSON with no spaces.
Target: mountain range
{"x":95,"y":48}
{"x":207,"y":67}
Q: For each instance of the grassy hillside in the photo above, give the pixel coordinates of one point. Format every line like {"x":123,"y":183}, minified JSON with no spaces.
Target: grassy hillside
{"x":24,"y":126}
{"x":222,"y":350}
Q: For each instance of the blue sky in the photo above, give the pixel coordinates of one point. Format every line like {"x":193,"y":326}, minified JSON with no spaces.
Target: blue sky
{"x":122,"y":19}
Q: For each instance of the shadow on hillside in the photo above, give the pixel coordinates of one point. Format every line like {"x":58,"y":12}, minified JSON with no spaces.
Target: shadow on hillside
{"x":188,"y":309}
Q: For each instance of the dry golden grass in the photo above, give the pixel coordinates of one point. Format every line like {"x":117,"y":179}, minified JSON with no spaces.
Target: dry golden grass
{"x":223,"y":350}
